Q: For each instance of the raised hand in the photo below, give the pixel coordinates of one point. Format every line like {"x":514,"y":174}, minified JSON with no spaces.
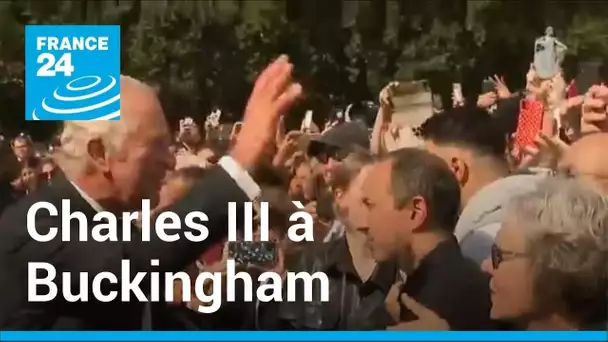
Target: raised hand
{"x":594,"y":117}
{"x":501,"y":88}
{"x":274,"y":93}
{"x":287,"y":147}
{"x":391,"y":301}
{"x":386,"y":94}
{"x":546,"y":153}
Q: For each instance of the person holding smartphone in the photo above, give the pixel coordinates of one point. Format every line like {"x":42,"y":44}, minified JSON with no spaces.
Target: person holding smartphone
{"x":253,"y":257}
{"x":191,"y":150}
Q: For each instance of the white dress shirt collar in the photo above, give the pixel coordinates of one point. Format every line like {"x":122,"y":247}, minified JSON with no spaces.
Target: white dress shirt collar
{"x":93,"y":203}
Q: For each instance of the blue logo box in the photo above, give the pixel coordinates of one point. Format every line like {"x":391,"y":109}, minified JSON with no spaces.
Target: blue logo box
{"x":72,"y":72}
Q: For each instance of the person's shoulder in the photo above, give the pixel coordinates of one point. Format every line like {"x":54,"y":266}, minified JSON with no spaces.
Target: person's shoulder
{"x":460,"y":294}
{"x":310,"y":256}
{"x":459,"y":273}
{"x":15,"y":216}
{"x":516,"y":184}
{"x":485,"y":207}
{"x":20,"y":208}
{"x":477,"y":244}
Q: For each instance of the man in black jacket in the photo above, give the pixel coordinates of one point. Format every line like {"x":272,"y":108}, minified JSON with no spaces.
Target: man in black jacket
{"x":413,"y":202}
{"x":358,"y":286}
{"x":112,"y":166}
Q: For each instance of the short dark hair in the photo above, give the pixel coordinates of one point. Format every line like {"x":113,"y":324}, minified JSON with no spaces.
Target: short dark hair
{"x":415,"y":172}
{"x":467,"y":127}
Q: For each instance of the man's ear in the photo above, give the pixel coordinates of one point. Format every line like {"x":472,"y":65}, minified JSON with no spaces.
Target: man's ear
{"x":339,"y":194}
{"x":460,"y":169}
{"x":419,"y":211}
{"x":97,"y":153}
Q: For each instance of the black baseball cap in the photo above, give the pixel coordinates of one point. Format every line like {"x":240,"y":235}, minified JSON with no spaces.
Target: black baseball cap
{"x":346,"y":137}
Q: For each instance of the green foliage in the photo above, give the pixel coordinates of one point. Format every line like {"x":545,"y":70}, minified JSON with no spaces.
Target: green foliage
{"x":587,"y":36}
{"x":200,"y":56}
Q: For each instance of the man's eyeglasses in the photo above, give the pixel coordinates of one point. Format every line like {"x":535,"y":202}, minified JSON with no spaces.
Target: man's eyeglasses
{"x":498,"y":255}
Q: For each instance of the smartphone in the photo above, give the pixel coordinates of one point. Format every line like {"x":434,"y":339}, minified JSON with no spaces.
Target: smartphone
{"x":437,"y":103}
{"x":307,"y":121}
{"x":487,"y":86}
{"x":457,"y":92}
{"x":257,"y":253}
{"x":529,"y":123}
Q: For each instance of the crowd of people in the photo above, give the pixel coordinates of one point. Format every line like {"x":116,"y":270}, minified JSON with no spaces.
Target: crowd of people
{"x":451,"y":225}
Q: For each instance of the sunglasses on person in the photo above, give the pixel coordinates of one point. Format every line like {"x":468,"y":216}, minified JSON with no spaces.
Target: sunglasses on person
{"x":47,"y":175}
{"x":498,"y":256}
{"x":331,"y":152}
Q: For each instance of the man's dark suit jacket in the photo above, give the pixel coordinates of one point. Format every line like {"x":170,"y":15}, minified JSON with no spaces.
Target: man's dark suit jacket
{"x":211,"y":196}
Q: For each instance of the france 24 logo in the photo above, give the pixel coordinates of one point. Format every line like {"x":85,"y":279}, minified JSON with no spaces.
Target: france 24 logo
{"x":72,"y":72}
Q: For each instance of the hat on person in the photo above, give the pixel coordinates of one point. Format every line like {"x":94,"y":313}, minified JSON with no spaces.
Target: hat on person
{"x":347,"y":137}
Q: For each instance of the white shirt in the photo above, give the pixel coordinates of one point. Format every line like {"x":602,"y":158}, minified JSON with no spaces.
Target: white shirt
{"x":242,"y":178}
{"x":93,"y":203}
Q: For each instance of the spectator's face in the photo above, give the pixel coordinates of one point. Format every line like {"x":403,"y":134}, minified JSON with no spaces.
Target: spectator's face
{"x":388,"y":230}
{"x":302,"y":184}
{"x":30,"y":177}
{"x":47,"y":170}
{"x":138,"y":169}
{"x":350,"y":203}
{"x":511,"y":283}
{"x":191,"y":134}
{"x":333,"y":163}
{"x":22,"y":148}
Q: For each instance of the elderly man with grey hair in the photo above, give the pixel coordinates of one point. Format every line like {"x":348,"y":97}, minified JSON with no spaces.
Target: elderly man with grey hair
{"x":112,"y":166}
{"x":549,"y":264}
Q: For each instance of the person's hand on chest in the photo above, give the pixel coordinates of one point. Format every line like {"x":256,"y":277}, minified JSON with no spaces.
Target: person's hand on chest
{"x":427,"y":319}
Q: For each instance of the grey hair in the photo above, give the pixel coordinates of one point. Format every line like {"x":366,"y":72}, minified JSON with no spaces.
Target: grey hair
{"x":566,"y":230}
{"x":73,"y":155}
{"x":416,"y":172}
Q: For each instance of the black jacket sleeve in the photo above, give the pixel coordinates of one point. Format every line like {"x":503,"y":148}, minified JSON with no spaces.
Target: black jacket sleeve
{"x":211,"y":195}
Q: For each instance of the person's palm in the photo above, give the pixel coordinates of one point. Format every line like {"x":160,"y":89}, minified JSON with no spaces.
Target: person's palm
{"x":272,"y":96}
{"x":500,"y":85}
{"x":594,"y":116}
{"x":486,"y":100}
